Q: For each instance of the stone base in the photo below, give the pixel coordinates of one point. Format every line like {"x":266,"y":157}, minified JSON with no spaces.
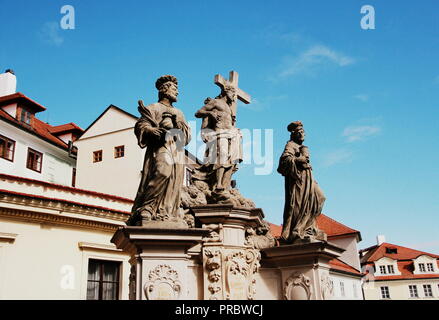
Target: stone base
{"x":170,"y":224}
{"x":161,"y":262}
{"x":230,"y":263}
{"x":304,"y":269}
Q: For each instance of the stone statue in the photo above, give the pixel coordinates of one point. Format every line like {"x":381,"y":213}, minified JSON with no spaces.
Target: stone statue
{"x":224,"y":151}
{"x":303,"y":197}
{"x":163,"y":130}
{"x":223,"y":143}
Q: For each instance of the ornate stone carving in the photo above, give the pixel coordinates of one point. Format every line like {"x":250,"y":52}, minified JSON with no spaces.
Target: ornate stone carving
{"x":192,"y":196}
{"x":327,"y":287}
{"x":303,"y":197}
{"x":260,"y":238}
{"x":240,"y":269}
{"x":215,"y":234}
{"x":163,"y":284}
{"x":298,"y":287}
{"x":213,"y":267}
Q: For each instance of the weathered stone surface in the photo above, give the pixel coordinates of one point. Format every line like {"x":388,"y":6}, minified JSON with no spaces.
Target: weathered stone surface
{"x":260,"y":237}
{"x":303,"y":197}
{"x":163,"y":261}
{"x":223,"y":144}
{"x":304,"y":269}
{"x":163,"y":130}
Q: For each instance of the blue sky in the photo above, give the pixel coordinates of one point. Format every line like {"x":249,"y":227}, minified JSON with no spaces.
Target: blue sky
{"x":368,"y":98}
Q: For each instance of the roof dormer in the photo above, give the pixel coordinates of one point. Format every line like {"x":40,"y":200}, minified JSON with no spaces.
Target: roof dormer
{"x":67,"y":132}
{"x":20,"y":107}
{"x":386,"y":267}
{"x":425,"y":264}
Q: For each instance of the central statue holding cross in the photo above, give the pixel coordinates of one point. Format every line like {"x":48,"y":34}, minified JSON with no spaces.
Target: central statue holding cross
{"x":223,"y":142}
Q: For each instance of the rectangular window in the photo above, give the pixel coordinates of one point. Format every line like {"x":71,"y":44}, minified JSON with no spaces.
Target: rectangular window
{"x":422,"y":267}
{"x":342,"y":289}
{"x":7,"y":148}
{"x":34,"y":160}
{"x":25,"y":116}
{"x":97,"y":156}
{"x":103,"y":280}
{"x":413,"y":291}
{"x":119,"y":151}
{"x":430,"y":267}
{"x":385,"y":294}
{"x":383,"y":269}
{"x":427,"y":291}
{"x":354,"y":288}
{"x":390,"y":269}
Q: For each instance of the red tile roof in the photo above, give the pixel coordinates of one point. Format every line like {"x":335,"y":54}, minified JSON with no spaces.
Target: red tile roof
{"x":404,"y":257}
{"x":275,"y":230}
{"x":63,"y":128}
{"x":403,"y":253}
{"x":341,"y":266}
{"x":19,"y":97}
{"x":334,"y":228}
{"x":331,"y":227}
{"x":38,"y":127}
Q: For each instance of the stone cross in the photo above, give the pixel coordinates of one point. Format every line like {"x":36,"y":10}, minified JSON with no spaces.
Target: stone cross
{"x":233,"y":81}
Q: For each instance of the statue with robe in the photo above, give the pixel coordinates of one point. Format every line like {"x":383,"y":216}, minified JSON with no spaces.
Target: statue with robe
{"x":163,"y":131}
{"x":303,"y":197}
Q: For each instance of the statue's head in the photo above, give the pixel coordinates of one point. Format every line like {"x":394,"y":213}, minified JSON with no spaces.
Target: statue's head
{"x":168,"y":87}
{"x":297,"y":131}
{"x":229,"y":91}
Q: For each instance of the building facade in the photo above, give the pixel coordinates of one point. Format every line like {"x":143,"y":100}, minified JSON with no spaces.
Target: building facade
{"x":30,"y":147}
{"x":393,"y":272}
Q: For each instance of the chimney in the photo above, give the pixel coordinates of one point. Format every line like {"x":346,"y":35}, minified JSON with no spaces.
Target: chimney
{"x":381,"y":239}
{"x":8,"y":83}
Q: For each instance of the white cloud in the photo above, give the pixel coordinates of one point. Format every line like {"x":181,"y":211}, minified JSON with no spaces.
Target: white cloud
{"x":336,"y":157}
{"x":50,"y":33}
{"x":358,"y":133}
{"x":315,"y":56}
{"x":362,"y":97}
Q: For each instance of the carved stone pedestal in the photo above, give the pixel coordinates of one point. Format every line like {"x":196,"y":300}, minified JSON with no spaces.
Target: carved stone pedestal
{"x":304,"y":269}
{"x":160,"y":261}
{"x":230,"y":263}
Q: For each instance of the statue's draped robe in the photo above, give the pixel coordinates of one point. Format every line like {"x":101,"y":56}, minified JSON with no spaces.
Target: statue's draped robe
{"x":163,"y":168}
{"x":303,"y":197}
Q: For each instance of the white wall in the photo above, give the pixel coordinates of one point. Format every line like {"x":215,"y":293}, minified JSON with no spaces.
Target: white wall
{"x":352,"y":287}
{"x":57,"y":166}
{"x":31,"y":266}
{"x":399,"y":289}
{"x":117,"y":176}
{"x":350,"y":256}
